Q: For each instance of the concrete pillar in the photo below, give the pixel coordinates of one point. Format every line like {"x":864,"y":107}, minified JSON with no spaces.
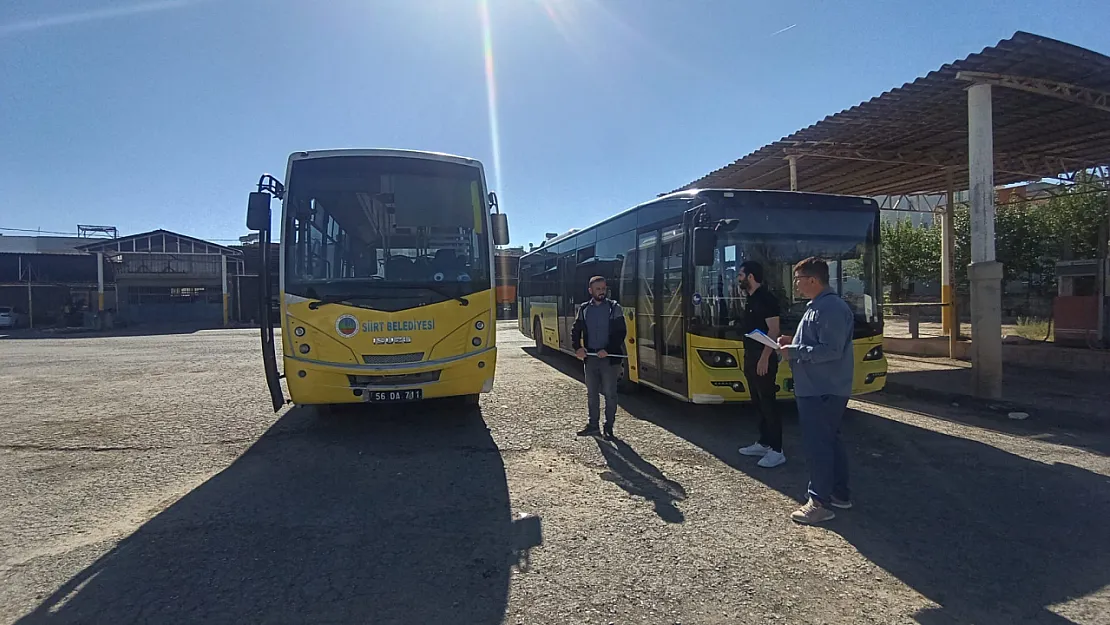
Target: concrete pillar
{"x":223,"y":285}
{"x":985,"y":272}
{"x":793,"y":160}
{"x":100,"y":282}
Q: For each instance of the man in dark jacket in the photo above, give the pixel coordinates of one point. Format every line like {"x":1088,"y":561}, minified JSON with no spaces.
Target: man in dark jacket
{"x":599,"y":329}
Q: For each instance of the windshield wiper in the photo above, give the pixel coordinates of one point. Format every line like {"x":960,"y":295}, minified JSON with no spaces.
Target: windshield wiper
{"x":343,"y":297}
{"x":332,"y":299}
{"x":442,"y":291}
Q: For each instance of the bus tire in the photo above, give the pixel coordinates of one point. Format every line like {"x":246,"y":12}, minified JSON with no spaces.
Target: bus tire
{"x":537,"y":335}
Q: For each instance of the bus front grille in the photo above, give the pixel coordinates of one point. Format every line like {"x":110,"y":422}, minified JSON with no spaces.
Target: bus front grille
{"x":362,"y":381}
{"x":392,"y":359}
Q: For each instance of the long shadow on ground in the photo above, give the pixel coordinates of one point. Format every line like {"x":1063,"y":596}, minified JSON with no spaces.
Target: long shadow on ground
{"x":1055,"y":400}
{"x":1079,"y":432}
{"x":639,"y":477}
{"x":339,"y":518}
{"x":989,"y":536}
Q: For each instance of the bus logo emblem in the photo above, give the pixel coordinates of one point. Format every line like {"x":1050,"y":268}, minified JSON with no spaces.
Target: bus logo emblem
{"x":346,"y":326}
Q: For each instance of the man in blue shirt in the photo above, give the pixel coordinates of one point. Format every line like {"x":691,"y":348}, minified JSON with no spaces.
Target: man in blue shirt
{"x":821,"y":361}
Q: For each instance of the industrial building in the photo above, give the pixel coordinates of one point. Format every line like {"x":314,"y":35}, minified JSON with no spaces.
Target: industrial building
{"x":158,"y":277}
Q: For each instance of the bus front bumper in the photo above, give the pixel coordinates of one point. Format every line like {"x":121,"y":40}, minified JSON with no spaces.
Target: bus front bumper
{"x":314,"y":382}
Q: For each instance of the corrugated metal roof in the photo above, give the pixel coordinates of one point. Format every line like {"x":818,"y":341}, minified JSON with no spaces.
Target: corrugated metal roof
{"x":904,"y":140}
{"x":94,"y":245}
{"x":41,"y":245}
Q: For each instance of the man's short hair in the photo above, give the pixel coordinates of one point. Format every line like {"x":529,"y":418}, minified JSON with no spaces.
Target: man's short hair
{"x":594,"y":280}
{"x":753,"y":268}
{"x":813,"y":267}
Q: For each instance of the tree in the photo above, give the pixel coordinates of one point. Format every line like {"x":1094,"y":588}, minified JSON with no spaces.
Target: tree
{"x":1020,"y":242}
{"x":1031,"y":236}
{"x":909,"y":253}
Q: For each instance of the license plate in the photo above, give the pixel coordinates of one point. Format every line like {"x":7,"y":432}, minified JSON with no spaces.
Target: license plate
{"x":414,"y":394}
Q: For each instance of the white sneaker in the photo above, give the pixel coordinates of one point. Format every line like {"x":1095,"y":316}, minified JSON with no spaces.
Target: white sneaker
{"x":755,"y":449}
{"x":772,"y":459}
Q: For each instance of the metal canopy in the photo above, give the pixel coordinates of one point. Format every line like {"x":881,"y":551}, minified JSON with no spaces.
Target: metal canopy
{"x":1051,"y":110}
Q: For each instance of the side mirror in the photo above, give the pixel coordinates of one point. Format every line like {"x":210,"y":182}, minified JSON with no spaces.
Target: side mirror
{"x":500,"y":226}
{"x":258,"y":211}
{"x":705,"y":244}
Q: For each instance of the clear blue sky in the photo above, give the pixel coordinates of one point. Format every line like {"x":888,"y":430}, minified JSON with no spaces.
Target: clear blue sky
{"x":148,"y":114}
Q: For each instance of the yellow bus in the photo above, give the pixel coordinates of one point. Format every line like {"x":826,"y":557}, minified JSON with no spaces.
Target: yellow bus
{"x":671,"y":263}
{"x":386,"y":277}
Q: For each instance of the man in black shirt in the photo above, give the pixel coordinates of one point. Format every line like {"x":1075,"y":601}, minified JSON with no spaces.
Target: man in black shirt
{"x":761,"y":363}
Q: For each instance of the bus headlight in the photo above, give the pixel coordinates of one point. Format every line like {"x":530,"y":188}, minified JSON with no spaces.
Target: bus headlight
{"x":476,"y":341}
{"x":305,"y":348}
{"x":479,"y":325}
{"x":299,"y":331}
{"x":876,"y":353}
{"x":717,"y":359}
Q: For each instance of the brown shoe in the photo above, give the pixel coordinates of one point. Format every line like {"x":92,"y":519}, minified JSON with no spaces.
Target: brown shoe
{"x":812,"y":513}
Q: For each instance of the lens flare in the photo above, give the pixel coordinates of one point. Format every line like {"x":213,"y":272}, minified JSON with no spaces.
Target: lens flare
{"x":491,"y":94}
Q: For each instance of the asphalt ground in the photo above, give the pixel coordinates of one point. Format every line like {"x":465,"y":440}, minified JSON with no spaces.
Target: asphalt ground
{"x":145,"y":479}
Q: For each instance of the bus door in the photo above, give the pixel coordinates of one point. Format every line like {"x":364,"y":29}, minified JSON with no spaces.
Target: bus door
{"x":660,"y":330}
{"x":258,"y":218}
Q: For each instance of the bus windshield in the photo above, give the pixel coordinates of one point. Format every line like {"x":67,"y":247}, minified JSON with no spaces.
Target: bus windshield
{"x":380,"y":228}
{"x":778,"y":238}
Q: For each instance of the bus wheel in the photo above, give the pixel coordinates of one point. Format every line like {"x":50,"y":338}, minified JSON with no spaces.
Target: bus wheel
{"x":537,"y":334}
{"x":467,"y":404}
{"x":625,"y":385}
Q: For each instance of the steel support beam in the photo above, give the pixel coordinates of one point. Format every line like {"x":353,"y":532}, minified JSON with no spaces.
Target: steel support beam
{"x":950,"y":313}
{"x":1103,"y":290}
{"x":1092,"y":98}
{"x":985,"y":271}
{"x":100,"y":282}
{"x":1034,"y":166}
{"x":223,"y":286}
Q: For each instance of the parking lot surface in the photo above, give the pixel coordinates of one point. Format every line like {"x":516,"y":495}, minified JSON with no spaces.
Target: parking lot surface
{"x":145,"y":479}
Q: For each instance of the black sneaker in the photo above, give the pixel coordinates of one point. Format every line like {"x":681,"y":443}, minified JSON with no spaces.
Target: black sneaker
{"x":591,"y":430}
{"x":609,"y":433}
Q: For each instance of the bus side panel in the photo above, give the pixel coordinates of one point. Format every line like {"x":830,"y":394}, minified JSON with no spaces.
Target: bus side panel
{"x":630,"y":345}
{"x":548,"y":316}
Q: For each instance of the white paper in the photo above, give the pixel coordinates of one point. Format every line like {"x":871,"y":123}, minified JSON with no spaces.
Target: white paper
{"x":761,"y":336}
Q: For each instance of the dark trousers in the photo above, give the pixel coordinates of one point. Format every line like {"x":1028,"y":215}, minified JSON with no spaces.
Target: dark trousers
{"x":762,"y":388}
{"x":820,"y":419}
{"x":601,"y":379}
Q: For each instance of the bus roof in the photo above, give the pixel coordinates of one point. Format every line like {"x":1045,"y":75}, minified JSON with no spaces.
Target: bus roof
{"x":393,"y":152}
{"x":690,"y":193}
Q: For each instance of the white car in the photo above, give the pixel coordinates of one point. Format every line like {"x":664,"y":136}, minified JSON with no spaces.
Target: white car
{"x":9,"y":318}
